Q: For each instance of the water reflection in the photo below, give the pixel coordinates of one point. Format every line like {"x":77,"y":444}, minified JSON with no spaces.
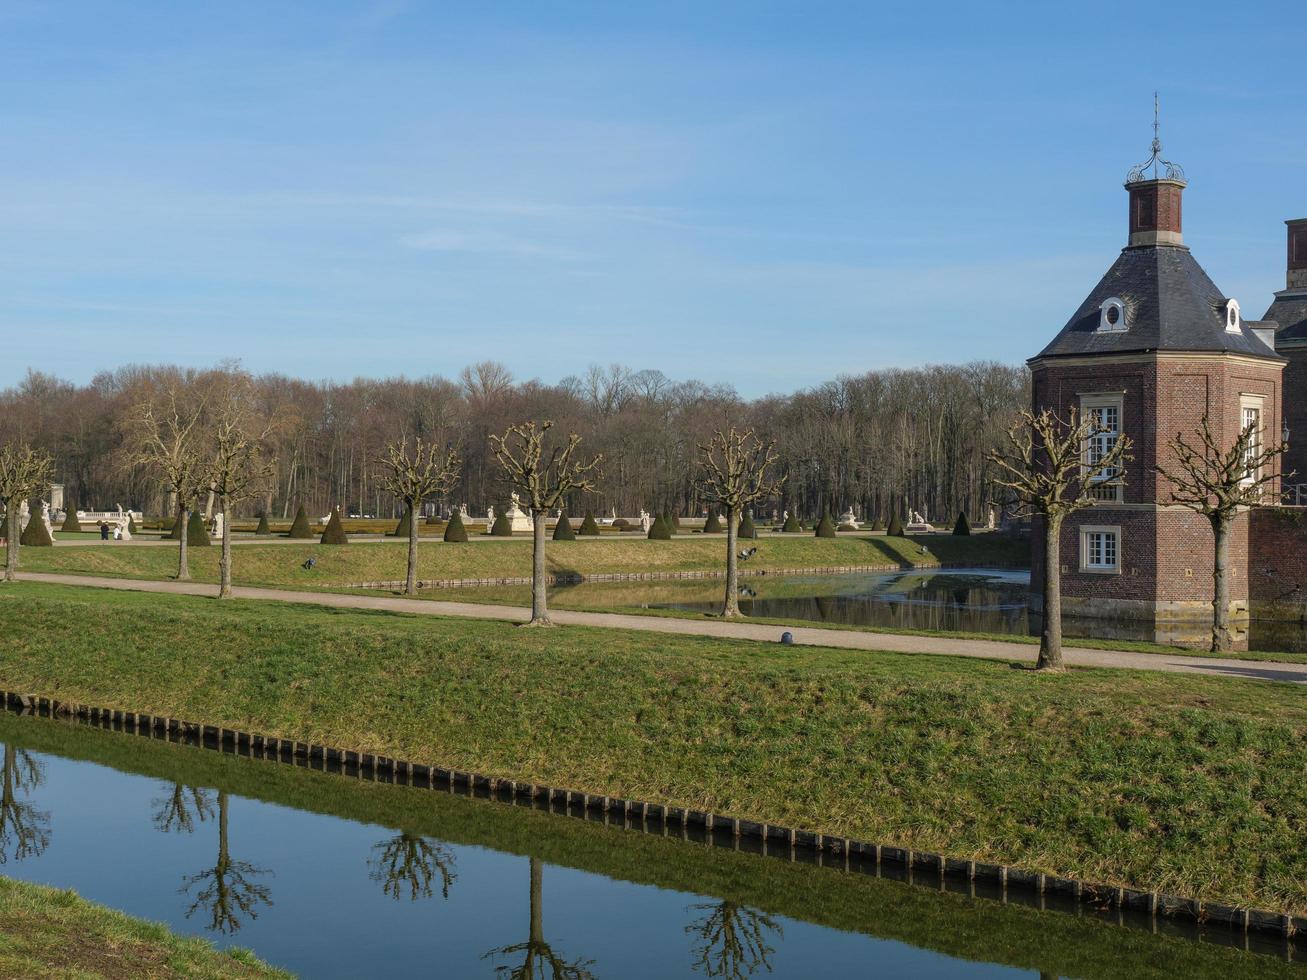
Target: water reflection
{"x":227,"y":891}
{"x":731,"y":940}
{"x":407,"y":863}
{"x":24,"y":830}
{"x":539,"y":959}
{"x":181,"y":807}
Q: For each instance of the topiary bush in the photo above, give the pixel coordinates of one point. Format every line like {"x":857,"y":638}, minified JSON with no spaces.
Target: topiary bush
{"x":404,"y":526}
{"x":300,"y":527}
{"x":503,"y":527}
{"x":621,"y":524}
{"x":847,"y":527}
{"x":895,"y":529}
{"x":35,"y":535}
{"x":197,"y":535}
{"x":131,"y":524}
{"x":660,"y":529}
{"x":589,"y":526}
{"x":70,"y":523}
{"x":563,"y":529}
{"x":825,"y":526}
{"x":962,"y":526}
{"x":878,"y":524}
{"x":713,"y":525}
{"x":455,"y":532}
{"x":792,"y":524}
{"x":432,"y":521}
{"x":747,"y":530}
{"x":334,"y":533}
{"x":263,"y":530}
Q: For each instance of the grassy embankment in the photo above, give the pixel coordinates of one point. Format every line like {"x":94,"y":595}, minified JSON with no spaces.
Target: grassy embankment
{"x":1184,"y":784}
{"x":49,"y":933}
{"x":1012,"y":934}
{"x":369,"y":561}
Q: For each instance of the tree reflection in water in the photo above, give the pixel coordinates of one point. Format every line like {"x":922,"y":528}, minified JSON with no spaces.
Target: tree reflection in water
{"x":181,"y":808}
{"x":731,"y":940}
{"x":24,"y":830}
{"x":407,"y":863}
{"x":541,"y":961}
{"x":227,"y":891}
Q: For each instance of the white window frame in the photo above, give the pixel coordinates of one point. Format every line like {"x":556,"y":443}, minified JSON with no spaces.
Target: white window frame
{"x":1107,"y":326}
{"x":1110,"y":532}
{"x":1233,"y":318}
{"x":1108,"y":486}
{"x":1249,"y":404}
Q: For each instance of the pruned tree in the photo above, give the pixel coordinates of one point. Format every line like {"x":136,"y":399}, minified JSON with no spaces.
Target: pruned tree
{"x":1216,"y":482}
{"x":539,"y":960}
{"x":227,"y":890}
{"x":180,"y":808}
{"x":165,"y":433}
{"x":1052,"y":466}
{"x":408,"y":864}
{"x":24,"y":472}
{"x":24,"y":830}
{"x":733,"y":475}
{"x":238,"y":468}
{"x":413,"y":477}
{"x":545,"y":482}
{"x":731,"y":940}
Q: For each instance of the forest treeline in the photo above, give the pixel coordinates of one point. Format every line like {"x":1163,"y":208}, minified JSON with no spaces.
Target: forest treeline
{"x":877,"y":442}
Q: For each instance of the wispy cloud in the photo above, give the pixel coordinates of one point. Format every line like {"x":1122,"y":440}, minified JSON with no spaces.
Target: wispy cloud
{"x":483,"y":242}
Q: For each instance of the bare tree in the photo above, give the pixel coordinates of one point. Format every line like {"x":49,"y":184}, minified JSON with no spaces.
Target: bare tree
{"x":731,"y":940}
{"x":540,"y":961}
{"x":407,"y":864}
{"x":1216,"y":482}
{"x":412,"y":477}
{"x":520,"y":452}
{"x":164,"y":430}
{"x":24,"y":472}
{"x":227,"y":890}
{"x":238,"y":469}
{"x":733,"y":468}
{"x":1052,"y":473}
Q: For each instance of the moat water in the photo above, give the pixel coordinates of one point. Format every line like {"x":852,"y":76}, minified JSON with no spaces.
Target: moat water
{"x":330,"y":876}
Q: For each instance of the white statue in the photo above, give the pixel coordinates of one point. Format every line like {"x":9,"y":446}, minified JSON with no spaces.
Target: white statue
{"x":850,"y":518}
{"x":990,"y":522}
{"x":645,"y":522}
{"x":217,"y":525}
{"x":124,"y":531}
{"x":490,"y":515}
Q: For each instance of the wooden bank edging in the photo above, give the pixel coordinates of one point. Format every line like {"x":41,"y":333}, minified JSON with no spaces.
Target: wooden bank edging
{"x":813,"y":846}
{"x":576,"y":578}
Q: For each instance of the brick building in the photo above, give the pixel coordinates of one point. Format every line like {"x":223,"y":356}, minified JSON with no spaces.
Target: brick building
{"x":1153,"y":347}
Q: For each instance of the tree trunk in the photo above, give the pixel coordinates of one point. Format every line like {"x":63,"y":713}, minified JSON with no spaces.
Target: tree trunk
{"x":1221,"y":639}
{"x":1050,"y":640}
{"x":411,"y":578}
{"x":537,"y":910}
{"x":731,"y":602}
{"x":183,"y":552}
{"x":224,"y":561}
{"x":11,"y":541}
{"x":539,"y":607}
{"x":208,"y":508}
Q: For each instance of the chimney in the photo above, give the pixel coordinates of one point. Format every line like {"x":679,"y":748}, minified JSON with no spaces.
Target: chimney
{"x":1155,"y":212}
{"x":1297,"y":276}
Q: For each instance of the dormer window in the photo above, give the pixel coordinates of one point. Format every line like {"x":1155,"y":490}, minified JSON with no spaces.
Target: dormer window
{"x":1111,"y":316}
{"x":1232,"y":321}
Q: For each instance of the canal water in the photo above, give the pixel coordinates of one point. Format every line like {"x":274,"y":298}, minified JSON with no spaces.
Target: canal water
{"x":330,"y":876}
{"x":967,"y":600}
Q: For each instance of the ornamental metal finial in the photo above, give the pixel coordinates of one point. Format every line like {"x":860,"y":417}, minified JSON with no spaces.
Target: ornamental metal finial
{"x":1171,"y":171}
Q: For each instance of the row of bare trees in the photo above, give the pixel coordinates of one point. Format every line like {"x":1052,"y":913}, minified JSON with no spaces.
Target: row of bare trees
{"x":872,"y":442}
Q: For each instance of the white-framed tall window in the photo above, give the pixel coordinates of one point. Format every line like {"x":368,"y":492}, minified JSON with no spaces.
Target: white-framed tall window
{"x":1104,"y":412}
{"x":1250,"y":414}
{"x":1100,"y":549}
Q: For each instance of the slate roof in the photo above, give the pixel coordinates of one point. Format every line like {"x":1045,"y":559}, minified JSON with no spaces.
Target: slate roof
{"x":1171,"y":305}
{"x":1289,"y":311}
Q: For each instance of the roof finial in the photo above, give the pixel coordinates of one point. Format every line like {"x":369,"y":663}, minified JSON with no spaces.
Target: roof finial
{"x":1173,"y":171}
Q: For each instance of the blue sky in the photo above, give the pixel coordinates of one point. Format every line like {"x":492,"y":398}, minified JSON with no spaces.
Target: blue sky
{"x":764,"y":194}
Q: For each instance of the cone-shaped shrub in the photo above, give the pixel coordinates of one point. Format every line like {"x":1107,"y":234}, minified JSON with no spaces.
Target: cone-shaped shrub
{"x":895,"y":529}
{"x":335,"y":530}
{"x":70,"y":521}
{"x":747,"y":530}
{"x":962,"y":526}
{"x":621,"y":524}
{"x":454,"y":530}
{"x":791,"y":525}
{"x":131,"y":524}
{"x":300,"y":527}
{"x":674,"y":521}
{"x":660,"y":529}
{"x":563,"y":529}
{"x":589,"y":526}
{"x":402,"y":528}
{"x":825,"y":526}
{"x":35,"y":535}
{"x":432,"y":520}
{"x":878,"y":524}
{"x":713,"y":525}
{"x":503,"y":527}
{"x":197,"y":535}
{"x":263,"y":530}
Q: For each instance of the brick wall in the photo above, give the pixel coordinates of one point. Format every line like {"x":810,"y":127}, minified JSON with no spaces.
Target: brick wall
{"x":1277,"y":562}
{"x":1295,"y":412}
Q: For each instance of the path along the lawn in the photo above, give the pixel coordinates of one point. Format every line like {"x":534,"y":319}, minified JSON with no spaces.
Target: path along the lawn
{"x":808,"y":636}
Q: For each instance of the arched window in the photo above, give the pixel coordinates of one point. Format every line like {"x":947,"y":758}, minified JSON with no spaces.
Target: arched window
{"x":1111,"y":316}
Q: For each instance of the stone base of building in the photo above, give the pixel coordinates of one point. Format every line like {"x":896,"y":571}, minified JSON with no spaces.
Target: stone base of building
{"x":1141,"y":610}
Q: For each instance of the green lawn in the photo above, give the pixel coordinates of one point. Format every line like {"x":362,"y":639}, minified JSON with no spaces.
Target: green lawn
{"x":49,"y":933}
{"x":280,"y":564}
{"x":1189,"y":785}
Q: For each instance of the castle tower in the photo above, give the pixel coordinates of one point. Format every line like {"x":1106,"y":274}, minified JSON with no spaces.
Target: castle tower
{"x":1288,"y":316}
{"x":1152,"y":348}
